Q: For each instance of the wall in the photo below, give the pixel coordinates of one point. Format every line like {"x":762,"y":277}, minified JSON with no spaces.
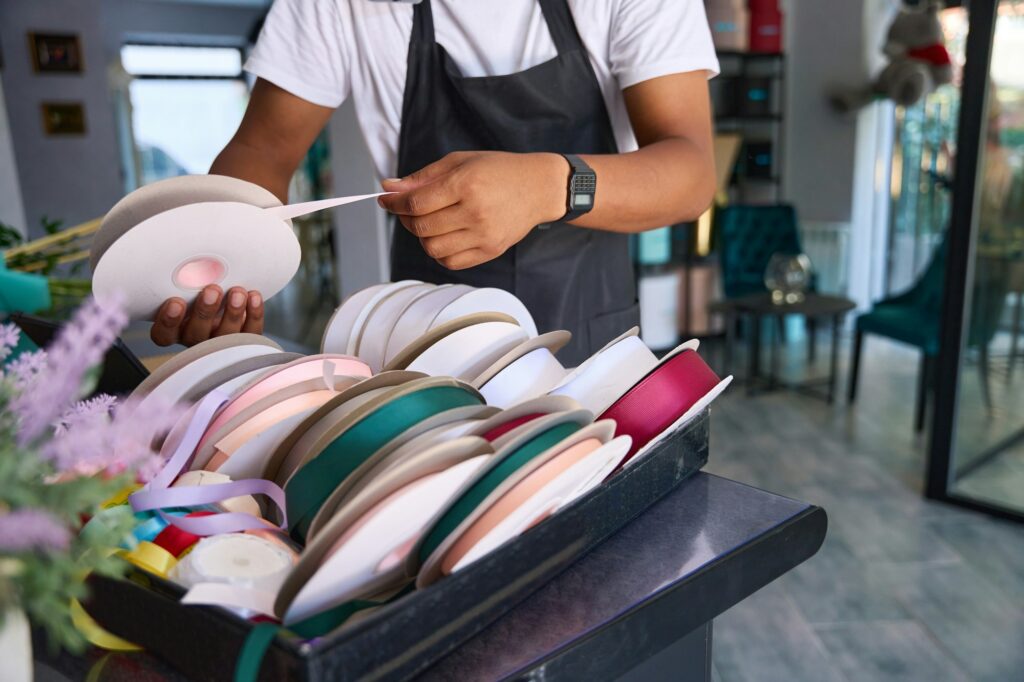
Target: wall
{"x":12,"y":212}
{"x":79,"y":178}
{"x":836,"y":165}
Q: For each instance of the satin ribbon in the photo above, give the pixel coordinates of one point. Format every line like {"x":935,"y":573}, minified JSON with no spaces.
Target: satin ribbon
{"x":660,"y":398}
{"x":499,"y":431}
{"x":94,"y":633}
{"x":311,"y":485}
{"x":606,"y":376}
{"x":152,"y":558}
{"x":177,"y":541}
{"x":158,"y":496}
{"x":489,"y":482}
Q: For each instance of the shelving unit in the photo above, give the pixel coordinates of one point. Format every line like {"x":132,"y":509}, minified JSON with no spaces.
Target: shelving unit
{"x":748,"y":98}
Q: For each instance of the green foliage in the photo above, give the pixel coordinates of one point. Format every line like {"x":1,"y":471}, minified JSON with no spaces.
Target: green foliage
{"x":43,"y":583}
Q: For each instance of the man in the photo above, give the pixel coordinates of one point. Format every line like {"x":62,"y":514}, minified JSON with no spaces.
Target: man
{"x":492,"y":120}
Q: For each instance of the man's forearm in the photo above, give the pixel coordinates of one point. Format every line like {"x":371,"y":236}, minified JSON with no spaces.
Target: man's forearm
{"x":241,"y":160}
{"x":666,"y":182}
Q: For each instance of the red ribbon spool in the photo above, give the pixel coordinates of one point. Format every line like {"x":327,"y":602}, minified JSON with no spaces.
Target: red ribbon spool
{"x":660,"y":398}
{"x":499,"y":431}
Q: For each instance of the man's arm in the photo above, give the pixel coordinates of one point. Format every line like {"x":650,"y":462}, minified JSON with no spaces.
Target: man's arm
{"x":470,"y":207}
{"x":274,"y":135}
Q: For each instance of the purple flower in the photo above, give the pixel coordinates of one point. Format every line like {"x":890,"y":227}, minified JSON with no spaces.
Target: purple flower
{"x":95,"y":410}
{"x":22,"y":370}
{"x":23,"y":530}
{"x":79,"y":347}
{"x":123,"y":442}
{"x":9,"y":337}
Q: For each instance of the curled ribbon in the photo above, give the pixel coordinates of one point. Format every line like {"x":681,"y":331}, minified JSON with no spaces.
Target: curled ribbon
{"x":158,"y":495}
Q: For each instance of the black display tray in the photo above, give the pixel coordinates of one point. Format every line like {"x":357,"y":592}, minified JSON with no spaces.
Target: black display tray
{"x":407,"y":636}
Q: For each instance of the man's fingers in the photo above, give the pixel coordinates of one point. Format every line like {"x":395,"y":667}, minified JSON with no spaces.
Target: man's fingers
{"x":426,"y":174}
{"x":448,"y":244}
{"x":441,"y":222}
{"x":167,"y":325}
{"x":234,"y":312}
{"x":466,"y":259}
{"x":253,"y":314}
{"x":422,"y":200}
{"x":204,"y":312}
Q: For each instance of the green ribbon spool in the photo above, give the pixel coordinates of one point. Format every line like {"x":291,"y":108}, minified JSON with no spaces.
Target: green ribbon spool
{"x":465,"y":505}
{"x":311,"y":485}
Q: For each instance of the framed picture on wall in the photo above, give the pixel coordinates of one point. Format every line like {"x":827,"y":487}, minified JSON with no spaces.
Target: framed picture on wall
{"x":63,"y":118}
{"x":53,"y":53}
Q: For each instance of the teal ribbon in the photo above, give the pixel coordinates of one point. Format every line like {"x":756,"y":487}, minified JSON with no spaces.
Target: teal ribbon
{"x":311,"y":485}
{"x":247,"y":669}
{"x":472,"y":498}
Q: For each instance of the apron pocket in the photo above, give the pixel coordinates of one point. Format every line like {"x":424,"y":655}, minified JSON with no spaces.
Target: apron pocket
{"x":604,"y":328}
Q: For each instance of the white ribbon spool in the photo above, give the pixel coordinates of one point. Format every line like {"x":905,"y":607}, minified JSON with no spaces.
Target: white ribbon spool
{"x":369,"y":307}
{"x":373,"y":338}
{"x":607,"y":375}
{"x":488,"y":300}
{"x":465,"y":353}
{"x":532,"y":375}
{"x":339,"y":327}
{"x":416,"y":318}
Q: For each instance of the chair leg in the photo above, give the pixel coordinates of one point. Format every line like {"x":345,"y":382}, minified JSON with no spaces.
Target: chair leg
{"x":923,"y":381}
{"x":858,"y":340}
{"x":983,"y":367}
{"x":1015,"y":326}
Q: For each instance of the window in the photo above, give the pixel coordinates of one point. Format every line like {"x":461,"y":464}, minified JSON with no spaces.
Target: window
{"x":186,"y":103}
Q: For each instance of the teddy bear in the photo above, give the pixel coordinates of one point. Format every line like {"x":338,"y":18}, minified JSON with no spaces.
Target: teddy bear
{"x":918,"y":61}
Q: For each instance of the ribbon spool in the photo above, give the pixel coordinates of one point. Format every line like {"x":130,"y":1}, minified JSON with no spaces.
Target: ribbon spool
{"x":339,"y":327}
{"x":325,"y":367}
{"x":244,"y":504}
{"x":608,"y":374}
{"x":361,"y":551}
{"x":661,"y":398}
{"x":236,"y":375}
{"x":175,"y":252}
{"x":487,"y":486}
{"x":369,"y":307}
{"x":418,"y":316}
{"x":241,"y":447}
{"x":484,"y":300}
{"x":412,"y":352}
{"x":574,"y":483}
{"x":492,"y":428}
{"x":372,"y":339}
{"x":238,"y":571}
{"x":298,"y":447}
{"x":363,"y":432}
{"x":543,"y":485}
{"x":465,"y":353}
{"x":404,"y":446}
{"x":527,"y":371}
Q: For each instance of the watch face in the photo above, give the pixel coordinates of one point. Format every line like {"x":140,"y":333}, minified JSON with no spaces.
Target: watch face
{"x":580,"y":200}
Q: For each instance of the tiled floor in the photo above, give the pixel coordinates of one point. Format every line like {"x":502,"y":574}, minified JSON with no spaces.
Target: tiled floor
{"x":903,"y":588}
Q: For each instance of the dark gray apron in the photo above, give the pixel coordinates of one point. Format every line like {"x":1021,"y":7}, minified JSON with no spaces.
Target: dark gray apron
{"x":568,"y":277}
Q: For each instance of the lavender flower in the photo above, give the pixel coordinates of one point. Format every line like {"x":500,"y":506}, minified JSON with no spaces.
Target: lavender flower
{"x":28,"y":529}
{"x":22,"y":370}
{"x":95,"y":410}
{"x":80,"y":346}
{"x":116,"y":444}
{"x":9,"y":337}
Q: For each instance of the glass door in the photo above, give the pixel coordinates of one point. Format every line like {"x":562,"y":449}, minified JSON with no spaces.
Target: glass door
{"x":977,"y":450}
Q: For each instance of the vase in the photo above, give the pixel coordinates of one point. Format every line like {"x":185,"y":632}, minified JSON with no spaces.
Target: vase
{"x":15,"y":647}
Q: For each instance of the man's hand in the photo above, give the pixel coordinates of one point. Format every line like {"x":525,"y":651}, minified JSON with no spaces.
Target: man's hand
{"x":470,"y":207}
{"x":212,"y":314}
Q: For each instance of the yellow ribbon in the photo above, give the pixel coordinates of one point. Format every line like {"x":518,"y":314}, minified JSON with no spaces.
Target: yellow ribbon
{"x":96,"y":635}
{"x":152,"y":558}
{"x":121,"y":497}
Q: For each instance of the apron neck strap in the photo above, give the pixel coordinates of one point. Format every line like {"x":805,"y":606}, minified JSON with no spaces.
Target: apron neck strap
{"x":561,"y":25}
{"x":556,"y":15}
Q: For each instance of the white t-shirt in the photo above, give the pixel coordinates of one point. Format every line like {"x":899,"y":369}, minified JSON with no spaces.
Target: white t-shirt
{"x":324,"y":50}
